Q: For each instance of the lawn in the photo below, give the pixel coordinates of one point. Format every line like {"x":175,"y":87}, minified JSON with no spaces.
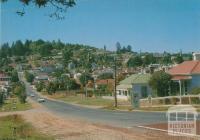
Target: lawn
{"x":15,"y":128}
{"x":82,"y":100}
{"x":13,"y":104}
{"x":98,"y":101}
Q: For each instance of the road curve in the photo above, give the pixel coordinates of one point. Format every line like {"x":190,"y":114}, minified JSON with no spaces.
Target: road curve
{"x":116,"y":118}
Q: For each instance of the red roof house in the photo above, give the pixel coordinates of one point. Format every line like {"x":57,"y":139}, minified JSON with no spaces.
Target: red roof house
{"x":187,"y":74}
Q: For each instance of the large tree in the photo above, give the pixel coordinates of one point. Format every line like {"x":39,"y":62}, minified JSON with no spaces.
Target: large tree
{"x":84,"y":78}
{"x":134,"y":61}
{"x":20,"y":91}
{"x":160,"y":82}
{"x":29,"y":77}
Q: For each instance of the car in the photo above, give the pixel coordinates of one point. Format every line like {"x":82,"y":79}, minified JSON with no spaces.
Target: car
{"x":40,"y":100}
{"x":32,"y":95}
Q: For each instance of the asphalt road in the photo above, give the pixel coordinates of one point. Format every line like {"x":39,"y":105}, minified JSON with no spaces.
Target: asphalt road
{"x":116,"y":118}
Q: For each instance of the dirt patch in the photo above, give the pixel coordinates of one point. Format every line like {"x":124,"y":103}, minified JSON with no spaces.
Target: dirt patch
{"x":73,"y":129}
{"x":77,"y":130}
{"x":164,"y":126}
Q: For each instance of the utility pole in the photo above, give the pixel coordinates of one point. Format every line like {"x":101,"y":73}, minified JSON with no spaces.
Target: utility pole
{"x":85,"y":81}
{"x":115,"y":84}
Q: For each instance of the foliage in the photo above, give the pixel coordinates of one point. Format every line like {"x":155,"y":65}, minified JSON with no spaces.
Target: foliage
{"x":1,"y":98}
{"x":51,"y":88}
{"x":105,"y":76}
{"x":134,"y":61}
{"x":29,"y":77}
{"x":105,"y":89}
{"x":149,"y":59}
{"x":45,"y":49}
{"x":59,"y":6}
{"x":84,"y":78}
{"x":67,"y":54}
{"x":160,"y":82}
{"x":195,"y":91}
{"x":123,"y":49}
{"x":14,"y":76}
{"x":70,"y":84}
{"x":20,"y":91}
{"x":179,"y":59}
{"x":167,"y":59}
{"x":24,"y":130}
{"x":40,"y":86}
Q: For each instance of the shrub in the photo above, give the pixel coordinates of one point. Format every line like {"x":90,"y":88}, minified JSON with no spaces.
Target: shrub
{"x":195,"y":91}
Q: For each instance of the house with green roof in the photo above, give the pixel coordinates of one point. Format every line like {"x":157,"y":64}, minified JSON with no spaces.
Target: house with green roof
{"x":138,"y":83}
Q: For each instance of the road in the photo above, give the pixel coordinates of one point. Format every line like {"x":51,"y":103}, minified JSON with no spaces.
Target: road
{"x":115,"y":118}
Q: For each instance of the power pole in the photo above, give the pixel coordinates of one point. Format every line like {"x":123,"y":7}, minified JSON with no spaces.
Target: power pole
{"x":115,"y":84}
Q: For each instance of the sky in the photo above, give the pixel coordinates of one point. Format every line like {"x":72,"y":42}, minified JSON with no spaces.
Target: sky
{"x":146,"y":25}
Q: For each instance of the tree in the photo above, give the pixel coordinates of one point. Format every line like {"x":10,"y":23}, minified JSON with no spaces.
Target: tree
{"x":149,"y":59}
{"x":18,"y":48}
{"x":118,"y":47}
{"x":29,"y":77}
{"x":51,"y":88}
{"x":1,"y":99}
{"x":67,"y":54}
{"x":20,"y":91}
{"x":45,"y":49}
{"x":39,"y":86}
{"x":5,"y":50}
{"x":160,"y":82}
{"x":106,"y":76}
{"x":84,"y":78}
{"x":167,"y":59}
{"x":179,"y":59}
{"x":129,"y":48}
{"x":134,"y":61}
{"x":70,"y":84}
{"x":14,"y":76}
{"x":59,"y":6}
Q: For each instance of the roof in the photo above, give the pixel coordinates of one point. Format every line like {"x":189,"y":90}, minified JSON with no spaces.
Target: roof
{"x":136,"y":79}
{"x":181,"y":77}
{"x":4,"y":75}
{"x":186,"y":68}
{"x":124,"y":86}
{"x":104,"y":81}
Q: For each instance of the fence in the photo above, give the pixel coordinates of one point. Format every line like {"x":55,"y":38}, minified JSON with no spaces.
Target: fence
{"x":170,"y":100}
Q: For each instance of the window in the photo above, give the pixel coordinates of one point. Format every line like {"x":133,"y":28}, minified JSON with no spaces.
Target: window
{"x":144,"y":92}
{"x":125,"y":93}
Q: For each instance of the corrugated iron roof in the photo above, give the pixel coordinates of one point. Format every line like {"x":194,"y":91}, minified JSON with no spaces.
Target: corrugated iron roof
{"x":186,"y":68}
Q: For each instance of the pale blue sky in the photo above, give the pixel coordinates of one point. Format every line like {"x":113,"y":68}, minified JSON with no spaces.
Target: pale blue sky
{"x":149,"y":25}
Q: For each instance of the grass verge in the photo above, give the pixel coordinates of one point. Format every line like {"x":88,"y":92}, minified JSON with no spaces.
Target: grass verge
{"x":15,"y":128}
{"x":88,"y":101}
{"x":13,"y":104}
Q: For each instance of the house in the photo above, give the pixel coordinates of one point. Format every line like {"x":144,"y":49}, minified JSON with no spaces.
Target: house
{"x":196,"y":55}
{"x":42,"y":77}
{"x":4,"y":79}
{"x":136,"y":83}
{"x":48,"y":69}
{"x":4,"y":83}
{"x":187,"y":74}
{"x":101,"y":82}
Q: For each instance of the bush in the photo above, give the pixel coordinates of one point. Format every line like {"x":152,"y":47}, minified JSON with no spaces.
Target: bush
{"x":29,"y":77}
{"x":195,"y":100}
{"x":39,"y":86}
{"x":195,"y":91}
{"x":20,"y":91}
{"x":1,"y":99}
